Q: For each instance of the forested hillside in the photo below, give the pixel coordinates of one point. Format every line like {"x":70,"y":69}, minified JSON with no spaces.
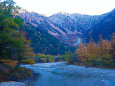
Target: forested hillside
{"x":44,"y":43}
{"x":105,"y":27}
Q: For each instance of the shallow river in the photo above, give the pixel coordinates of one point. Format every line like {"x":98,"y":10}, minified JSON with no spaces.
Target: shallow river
{"x":60,"y":74}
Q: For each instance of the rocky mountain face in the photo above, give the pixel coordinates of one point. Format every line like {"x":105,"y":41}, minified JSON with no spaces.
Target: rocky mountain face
{"x":78,"y":24}
{"x":65,"y":21}
{"x":105,"y":27}
{"x":89,"y":26}
{"x":74,"y":22}
{"x":86,"y":21}
{"x":43,"y":22}
{"x":73,"y":28}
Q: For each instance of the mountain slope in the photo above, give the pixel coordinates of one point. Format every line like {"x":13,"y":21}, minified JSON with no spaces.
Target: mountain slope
{"x":73,"y":28}
{"x":66,"y":21}
{"x":43,"y":42}
{"x":105,"y":27}
{"x":65,"y":35}
{"x":86,"y":21}
{"x":43,"y":22}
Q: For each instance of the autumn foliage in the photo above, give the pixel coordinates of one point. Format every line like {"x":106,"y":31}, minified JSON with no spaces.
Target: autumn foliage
{"x":101,"y":53}
{"x":8,"y":62}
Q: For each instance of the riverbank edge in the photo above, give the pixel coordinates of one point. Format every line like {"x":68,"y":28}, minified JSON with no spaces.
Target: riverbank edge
{"x":87,"y":66}
{"x":28,"y":81}
{"x":19,"y":75}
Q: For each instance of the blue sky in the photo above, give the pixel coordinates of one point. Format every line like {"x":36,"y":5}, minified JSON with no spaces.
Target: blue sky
{"x":49,"y":7}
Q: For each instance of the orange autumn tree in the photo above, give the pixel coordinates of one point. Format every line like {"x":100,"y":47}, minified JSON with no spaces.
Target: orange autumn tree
{"x":112,"y":51}
{"x":95,"y":53}
{"x":88,"y":51}
{"x":82,"y":51}
{"x":92,"y":49}
{"x":104,"y":47}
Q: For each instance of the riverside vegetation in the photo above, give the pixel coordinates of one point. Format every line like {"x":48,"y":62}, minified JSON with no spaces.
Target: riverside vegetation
{"x":14,"y":47}
{"x":100,"y":54}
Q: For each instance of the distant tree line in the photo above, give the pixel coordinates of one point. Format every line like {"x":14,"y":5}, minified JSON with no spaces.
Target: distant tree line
{"x":41,"y":58}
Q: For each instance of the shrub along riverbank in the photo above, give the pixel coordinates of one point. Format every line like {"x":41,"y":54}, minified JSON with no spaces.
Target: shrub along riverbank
{"x":12,"y":73}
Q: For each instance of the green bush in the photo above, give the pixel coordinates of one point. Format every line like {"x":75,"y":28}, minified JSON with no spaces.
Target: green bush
{"x":107,"y":60}
{"x":28,"y":61}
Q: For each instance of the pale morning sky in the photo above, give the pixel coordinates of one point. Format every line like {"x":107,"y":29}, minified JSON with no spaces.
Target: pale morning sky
{"x":49,"y":7}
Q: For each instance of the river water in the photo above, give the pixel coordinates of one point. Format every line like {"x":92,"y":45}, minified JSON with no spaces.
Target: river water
{"x":60,"y":74}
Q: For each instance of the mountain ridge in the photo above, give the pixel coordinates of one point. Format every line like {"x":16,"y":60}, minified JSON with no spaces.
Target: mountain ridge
{"x":105,"y":27}
{"x":68,"y":28}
